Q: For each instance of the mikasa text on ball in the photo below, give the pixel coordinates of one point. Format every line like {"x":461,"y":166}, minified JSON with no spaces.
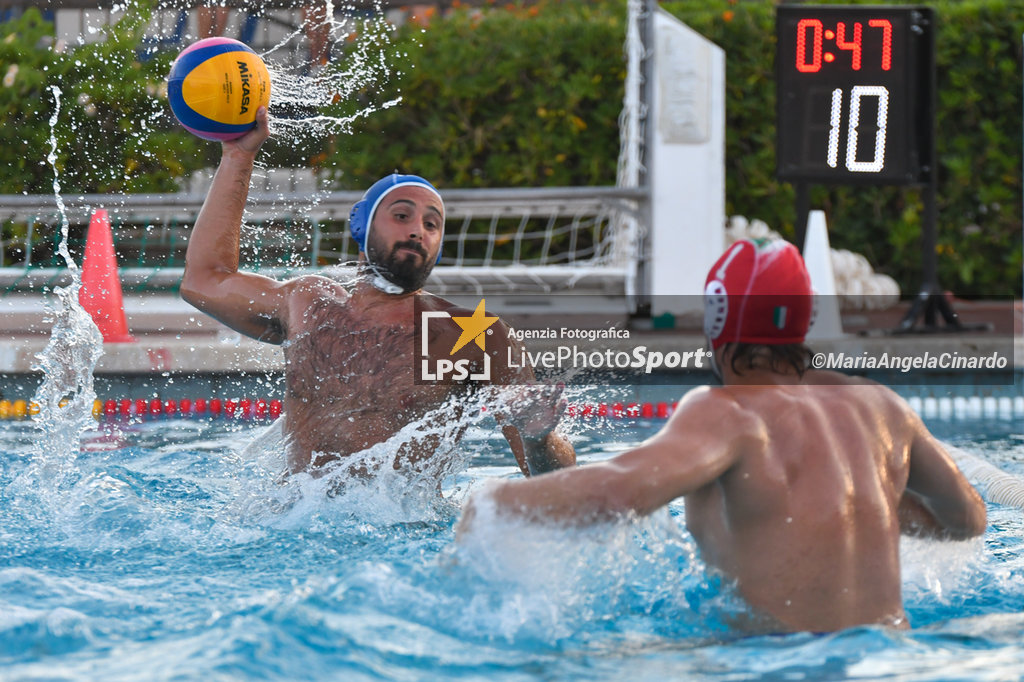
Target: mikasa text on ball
{"x":215,"y":87}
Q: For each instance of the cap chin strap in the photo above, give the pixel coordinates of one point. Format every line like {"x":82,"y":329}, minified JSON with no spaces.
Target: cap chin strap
{"x":380,"y":282}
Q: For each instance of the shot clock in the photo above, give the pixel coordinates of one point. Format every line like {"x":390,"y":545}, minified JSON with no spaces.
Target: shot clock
{"x":854,"y":94}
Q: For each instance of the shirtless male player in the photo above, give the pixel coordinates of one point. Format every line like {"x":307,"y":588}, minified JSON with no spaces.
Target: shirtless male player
{"x":796,"y":482}
{"x":351,"y":353}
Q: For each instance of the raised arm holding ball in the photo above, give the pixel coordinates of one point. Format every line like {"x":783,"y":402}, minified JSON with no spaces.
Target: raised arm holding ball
{"x":350,"y":350}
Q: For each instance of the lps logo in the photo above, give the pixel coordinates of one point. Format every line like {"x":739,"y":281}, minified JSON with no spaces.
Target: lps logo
{"x":474,"y":329}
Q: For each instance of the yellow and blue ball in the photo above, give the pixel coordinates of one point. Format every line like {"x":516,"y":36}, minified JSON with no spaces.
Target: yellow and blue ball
{"x":215,"y":87}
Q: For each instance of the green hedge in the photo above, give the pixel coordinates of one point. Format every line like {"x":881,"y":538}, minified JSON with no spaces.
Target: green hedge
{"x":528,"y":96}
{"x":113,"y":133}
{"x":507,"y":97}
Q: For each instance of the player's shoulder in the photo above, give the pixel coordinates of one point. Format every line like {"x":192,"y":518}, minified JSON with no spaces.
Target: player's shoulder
{"x":870,"y":394}
{"x":864,"y":385}
{"x":719,"y":410}
{"x":720,"y":401}
{"x":315,"y":285}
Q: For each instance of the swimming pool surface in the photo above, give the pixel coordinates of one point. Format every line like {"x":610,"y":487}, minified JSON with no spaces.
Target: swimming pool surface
{"x":161,"y":552}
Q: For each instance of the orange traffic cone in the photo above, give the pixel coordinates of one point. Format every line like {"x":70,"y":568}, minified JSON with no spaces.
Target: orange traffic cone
{"x":100,"y":294}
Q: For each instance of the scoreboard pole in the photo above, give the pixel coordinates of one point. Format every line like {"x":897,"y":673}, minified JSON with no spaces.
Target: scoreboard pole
{"x":931,"y":299}
{"x":803,"y":211}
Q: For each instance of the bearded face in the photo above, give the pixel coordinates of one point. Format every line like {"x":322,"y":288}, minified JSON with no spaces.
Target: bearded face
{"x":407,"y":264}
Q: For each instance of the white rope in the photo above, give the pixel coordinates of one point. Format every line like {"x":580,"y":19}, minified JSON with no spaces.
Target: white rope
{"x":968,"y":407}
{"x":625,"y":250}
{"x":630,"y":119}
{"x":995,"y":485}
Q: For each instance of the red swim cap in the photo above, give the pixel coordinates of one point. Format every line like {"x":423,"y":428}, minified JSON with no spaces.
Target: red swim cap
{"x":758,"y":293}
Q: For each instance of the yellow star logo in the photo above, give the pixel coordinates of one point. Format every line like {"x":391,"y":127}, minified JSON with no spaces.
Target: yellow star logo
{"x":473,"y":328}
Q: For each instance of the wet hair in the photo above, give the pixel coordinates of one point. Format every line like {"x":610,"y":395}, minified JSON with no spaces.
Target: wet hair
{"x":779,"y":357}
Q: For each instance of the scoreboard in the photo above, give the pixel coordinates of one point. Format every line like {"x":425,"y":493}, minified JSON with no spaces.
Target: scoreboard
{"x":854,"y":94}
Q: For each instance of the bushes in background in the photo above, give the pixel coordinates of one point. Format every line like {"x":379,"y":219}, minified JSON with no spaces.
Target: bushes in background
{"x":505,"y":97}
{"x":530,"y":96}
{"x":113,"y":132}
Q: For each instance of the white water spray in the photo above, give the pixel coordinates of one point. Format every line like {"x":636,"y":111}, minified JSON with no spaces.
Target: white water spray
{"x":381,"y":485}
{"x":359,"y":46}
{"x":65,"y":397}
{"x":304,"y":96}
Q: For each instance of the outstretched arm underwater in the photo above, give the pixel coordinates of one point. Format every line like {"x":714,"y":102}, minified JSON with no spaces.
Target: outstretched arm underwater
{"x":679,"y":459}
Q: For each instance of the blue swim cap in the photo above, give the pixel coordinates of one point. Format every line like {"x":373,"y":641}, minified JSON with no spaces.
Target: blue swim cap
{"x":361,"y":216}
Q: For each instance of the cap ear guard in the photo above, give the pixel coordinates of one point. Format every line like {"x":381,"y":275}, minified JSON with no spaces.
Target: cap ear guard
{"x":357,"y":222}
{"x":716,"y":309}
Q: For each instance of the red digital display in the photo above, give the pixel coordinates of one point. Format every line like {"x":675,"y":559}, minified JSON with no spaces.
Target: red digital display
{"x":802,"y":64}
{"x":811,"y":37}
{"x":853,"y":93}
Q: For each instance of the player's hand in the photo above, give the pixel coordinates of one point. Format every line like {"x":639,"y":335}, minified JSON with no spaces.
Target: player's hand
{"x":250,"y":142}
{"x":535,"y":410}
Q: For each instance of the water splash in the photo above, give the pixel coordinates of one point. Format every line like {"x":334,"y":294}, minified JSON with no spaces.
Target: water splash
{"x":547,"y":581}
{"x":303,"y":93}
{"x":65,"y":397}
{"x":314,"y":104}
{"x":380,"y":485}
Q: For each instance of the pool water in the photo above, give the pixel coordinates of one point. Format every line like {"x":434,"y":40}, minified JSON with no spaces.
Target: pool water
{"x":167,"y":550}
